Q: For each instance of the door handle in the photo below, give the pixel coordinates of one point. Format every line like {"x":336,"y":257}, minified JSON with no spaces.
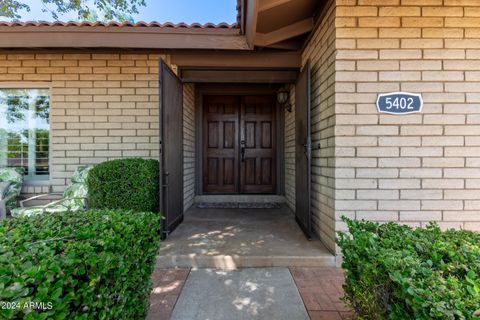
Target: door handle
{"x":242,"y":150}
{"x":165,"y":179}
{"x":308,"y":149}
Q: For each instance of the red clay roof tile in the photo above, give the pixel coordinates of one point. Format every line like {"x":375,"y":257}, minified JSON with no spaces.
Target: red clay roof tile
{"x":139,"y":24}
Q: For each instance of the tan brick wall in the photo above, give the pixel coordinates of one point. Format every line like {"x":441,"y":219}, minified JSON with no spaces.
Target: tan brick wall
{"x":419,"y":167}
{"x":103,"y":105}
{"x":188,"y":145}
{"x":321,"y":52}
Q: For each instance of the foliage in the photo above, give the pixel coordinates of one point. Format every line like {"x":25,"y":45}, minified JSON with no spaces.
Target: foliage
{"x":395,"y":272}
{"x":21,"y":109}
{"x":14,"y":176}
{"x":18,"y":142}
{"x":17,"y":107}
{"x":89,"y":265}
{"x":10,"y":8}
{"x":126,"y":184}
{"x":17,"y":104}
{"x":42,"y":107}
{"x":94,"y":16}
{"x":73,"y":200}
{"x":111,"y":9}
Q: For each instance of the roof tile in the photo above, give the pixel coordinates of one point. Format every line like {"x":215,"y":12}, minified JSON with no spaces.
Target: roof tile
{"x":139,"y":24}
{"x":112,"y":24}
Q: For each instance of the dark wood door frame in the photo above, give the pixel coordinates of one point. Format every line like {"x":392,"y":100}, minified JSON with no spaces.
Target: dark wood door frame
{"x":236,"y":89}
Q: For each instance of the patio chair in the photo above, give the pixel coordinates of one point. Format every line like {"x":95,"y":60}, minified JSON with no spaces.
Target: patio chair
{"x":11,"y":181}
{"x":74,"y":198}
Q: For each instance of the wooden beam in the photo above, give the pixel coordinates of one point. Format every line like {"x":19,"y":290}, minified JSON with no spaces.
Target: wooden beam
{"x":238,"y":76}
{"x":70,"y":37}
{"x":224,"y":59}
{"x":251,"y":22}
{"x":269,"y":4}
{"x":282,"y":34}
{"x":290,"y":44}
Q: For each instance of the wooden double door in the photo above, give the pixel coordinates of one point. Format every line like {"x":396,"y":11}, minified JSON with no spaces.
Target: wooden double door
{"x":239,"y":144}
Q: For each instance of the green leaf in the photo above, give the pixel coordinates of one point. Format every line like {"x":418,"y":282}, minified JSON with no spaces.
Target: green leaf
{"x":397,"y":272}
{"x":113,"y":250}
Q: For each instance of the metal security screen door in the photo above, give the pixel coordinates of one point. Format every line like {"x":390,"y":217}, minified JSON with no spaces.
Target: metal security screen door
{"x":303,"y":151}
{"x":171,"y":149}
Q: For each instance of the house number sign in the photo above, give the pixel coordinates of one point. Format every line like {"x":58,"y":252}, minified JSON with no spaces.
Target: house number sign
{"x":399,"y":103}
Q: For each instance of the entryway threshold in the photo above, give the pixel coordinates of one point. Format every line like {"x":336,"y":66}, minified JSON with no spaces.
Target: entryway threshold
{"x":240,"y":198}
{"x":239,"y":238}
{"x":227,"y":262}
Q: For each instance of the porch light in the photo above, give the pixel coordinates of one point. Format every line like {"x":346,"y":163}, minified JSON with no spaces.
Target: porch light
{"x":283,"y":98}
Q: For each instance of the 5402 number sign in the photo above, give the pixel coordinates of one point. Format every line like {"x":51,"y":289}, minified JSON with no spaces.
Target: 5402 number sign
{"x":399,"y":103}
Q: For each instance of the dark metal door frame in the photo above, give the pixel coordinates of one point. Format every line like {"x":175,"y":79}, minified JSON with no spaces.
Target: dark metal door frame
{"x":303,"y":151}
{"x":171,"y":149}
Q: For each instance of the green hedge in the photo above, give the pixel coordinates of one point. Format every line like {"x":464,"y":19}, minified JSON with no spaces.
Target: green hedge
{"x":125,"y":184}
{"x":89,"y":265}
{"x":397,"y":272}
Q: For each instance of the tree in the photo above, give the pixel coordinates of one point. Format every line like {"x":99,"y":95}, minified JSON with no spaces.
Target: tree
{"x":85,"y":9}
{"x":96,"y":16}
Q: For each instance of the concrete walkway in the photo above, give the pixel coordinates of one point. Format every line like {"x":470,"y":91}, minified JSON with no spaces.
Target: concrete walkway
{"x":252,"y":293}
{"x":241,"y":238}
{"x":249,"y":293}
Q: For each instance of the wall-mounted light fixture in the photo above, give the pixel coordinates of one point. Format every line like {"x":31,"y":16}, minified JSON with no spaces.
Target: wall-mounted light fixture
{"x":283,"y":98}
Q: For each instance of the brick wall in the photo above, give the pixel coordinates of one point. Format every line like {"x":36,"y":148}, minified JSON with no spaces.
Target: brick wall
{"x":321,"y":52}
{"x":188,"y":145}
{"x":419,"y":167}
{"x":103,"y":105}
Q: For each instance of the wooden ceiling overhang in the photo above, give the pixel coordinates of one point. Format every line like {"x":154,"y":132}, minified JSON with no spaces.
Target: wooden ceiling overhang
{"x":274,"y":31}
{"x":280,"y":24}
{"x":268,"y":36}
{"x":275,"y":24}
{"x":237,"y":66}
{"x":94,"y":37}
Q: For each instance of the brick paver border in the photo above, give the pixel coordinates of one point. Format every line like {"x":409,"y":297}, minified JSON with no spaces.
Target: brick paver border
{"x":320,"y":289}
{"x":167,"y":285}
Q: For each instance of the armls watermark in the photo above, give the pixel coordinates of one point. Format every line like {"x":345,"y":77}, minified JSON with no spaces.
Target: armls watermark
{"x":30,"y":305}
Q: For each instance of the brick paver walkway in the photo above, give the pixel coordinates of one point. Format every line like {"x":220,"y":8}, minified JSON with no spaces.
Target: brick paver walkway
{"x":320,"y":289}
{"x":167,"y":285}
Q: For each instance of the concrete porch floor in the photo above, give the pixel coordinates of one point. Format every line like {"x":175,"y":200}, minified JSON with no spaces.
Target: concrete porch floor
{"x":236,"y":238}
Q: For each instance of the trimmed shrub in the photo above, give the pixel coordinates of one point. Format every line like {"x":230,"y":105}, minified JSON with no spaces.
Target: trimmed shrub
{"x":125,"y":184}
{"x":88,"y":265}
{"x":395,"y":272}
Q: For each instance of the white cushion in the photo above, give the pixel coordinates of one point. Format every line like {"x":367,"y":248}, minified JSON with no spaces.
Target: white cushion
{"x":3,"y":188}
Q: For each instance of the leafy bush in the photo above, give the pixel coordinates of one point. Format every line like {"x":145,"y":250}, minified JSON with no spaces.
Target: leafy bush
{"x":88,"y":265}
{"x":396,"y":272}
{"x":125,"y":184}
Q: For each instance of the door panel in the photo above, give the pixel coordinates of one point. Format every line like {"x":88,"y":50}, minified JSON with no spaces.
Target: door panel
{"x":303,"y":150}
{"x":258,"y":150}
{"x":221,"y":151}
{"x":239,"y":144}
{"x":171,"y":149}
